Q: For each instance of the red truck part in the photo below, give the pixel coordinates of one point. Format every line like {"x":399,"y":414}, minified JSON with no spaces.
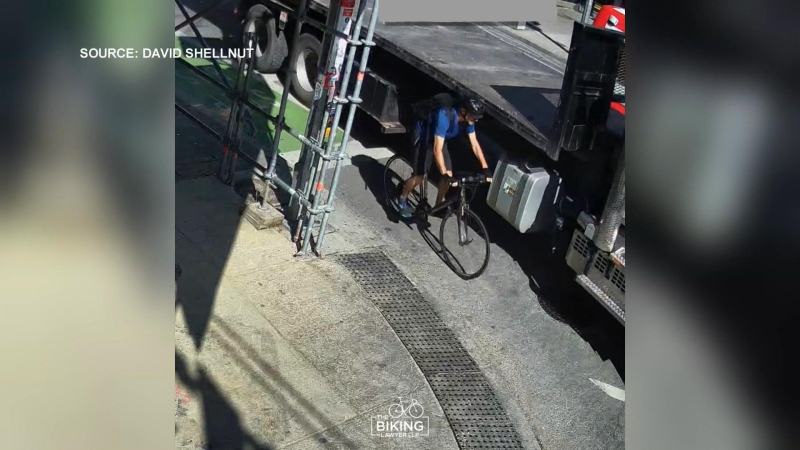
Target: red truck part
{"x":611,"y":18}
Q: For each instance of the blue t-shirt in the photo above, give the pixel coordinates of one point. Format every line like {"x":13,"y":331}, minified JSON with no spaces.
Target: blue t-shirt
{"x":447,"y":129}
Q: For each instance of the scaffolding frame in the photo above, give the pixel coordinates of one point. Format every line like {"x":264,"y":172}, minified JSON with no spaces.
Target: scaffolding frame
{"x":342,"y":38}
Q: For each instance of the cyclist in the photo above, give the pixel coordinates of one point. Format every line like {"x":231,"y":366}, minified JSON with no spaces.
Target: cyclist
{"x":432,"y":136}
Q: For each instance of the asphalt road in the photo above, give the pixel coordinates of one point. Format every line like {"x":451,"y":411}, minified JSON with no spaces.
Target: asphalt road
{"x":538,"y":337}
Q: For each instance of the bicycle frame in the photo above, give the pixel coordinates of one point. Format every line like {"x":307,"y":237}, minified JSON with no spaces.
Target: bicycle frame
{"x":463,"y":205}
{"x":466,"y":220}
{"x":433,"y":210}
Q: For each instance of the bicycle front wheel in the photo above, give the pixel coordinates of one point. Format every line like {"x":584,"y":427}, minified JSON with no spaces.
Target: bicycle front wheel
{"x":465,"y":243}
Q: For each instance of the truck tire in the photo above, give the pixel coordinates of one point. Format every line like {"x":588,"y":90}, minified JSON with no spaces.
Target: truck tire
{"x":271,"y":46}
{"x":304,"y":68}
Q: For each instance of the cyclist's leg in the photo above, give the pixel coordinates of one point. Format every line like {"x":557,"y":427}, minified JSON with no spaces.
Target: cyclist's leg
{"x":417,"y":163}
{"x":419,"y":171}
{"x":401,"y":203}
{"x":448,"y":164}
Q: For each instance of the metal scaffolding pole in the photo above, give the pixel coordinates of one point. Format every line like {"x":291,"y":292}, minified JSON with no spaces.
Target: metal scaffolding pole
{"x":214,"y":134}
{"x":190,"y":21}
{"x":198,"y":122}
{"x":253,"y":107}
{"x":333,"y":125}
{"x":238,"y":95}
{"x":330,"y":95}
{"x":339,"y":19}
{"x":355,"y":99}
{"x":233,"y":120}
{"x":231,"y":148}
{"x":280,"y":124}
{"x":200,"y":15}
{"x":587,"y":11}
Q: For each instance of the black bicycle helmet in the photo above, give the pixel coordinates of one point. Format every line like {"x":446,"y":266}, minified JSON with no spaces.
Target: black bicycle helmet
{"x":474,"y":107}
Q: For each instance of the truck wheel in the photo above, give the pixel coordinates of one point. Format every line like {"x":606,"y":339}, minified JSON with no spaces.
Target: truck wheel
{"x":304,"y":67}
{"x":271,"y":47}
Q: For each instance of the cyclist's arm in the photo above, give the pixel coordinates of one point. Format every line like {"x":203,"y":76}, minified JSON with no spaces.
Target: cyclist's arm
{"x":438,"y":145}
{"x":440,"y":131}
{"x":476,"y":148}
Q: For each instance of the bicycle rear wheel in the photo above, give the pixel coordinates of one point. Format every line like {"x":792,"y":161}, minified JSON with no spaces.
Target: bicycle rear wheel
{"x":397,"y":171}
{"x":465,"y":243}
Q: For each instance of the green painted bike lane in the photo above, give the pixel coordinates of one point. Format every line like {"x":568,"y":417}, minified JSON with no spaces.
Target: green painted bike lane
{"x":212,"y":101}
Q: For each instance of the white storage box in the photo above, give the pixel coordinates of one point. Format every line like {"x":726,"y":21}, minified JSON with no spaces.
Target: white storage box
{"x":527,"y":199}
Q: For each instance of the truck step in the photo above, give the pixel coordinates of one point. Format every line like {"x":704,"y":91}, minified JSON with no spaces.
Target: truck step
{"x":598,"y":294}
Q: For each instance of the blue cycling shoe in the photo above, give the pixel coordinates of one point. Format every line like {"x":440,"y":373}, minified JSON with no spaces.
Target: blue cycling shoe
{"x":403,"y":208}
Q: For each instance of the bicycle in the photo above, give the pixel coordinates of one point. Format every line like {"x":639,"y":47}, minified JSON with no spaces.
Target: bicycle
{"x":414,"y":409}
{"x":467,"y":223}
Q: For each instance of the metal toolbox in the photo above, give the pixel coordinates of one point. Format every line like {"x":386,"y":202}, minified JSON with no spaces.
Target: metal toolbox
{"x":526,"y":198}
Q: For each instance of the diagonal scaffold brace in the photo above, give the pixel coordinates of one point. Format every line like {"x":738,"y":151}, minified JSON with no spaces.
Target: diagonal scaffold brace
{"x":343,"y":32}
{"x":238,"y":114}
{"x":345,"y":27}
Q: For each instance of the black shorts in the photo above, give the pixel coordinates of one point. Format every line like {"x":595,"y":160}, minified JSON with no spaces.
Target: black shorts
{"x":424,"y":161}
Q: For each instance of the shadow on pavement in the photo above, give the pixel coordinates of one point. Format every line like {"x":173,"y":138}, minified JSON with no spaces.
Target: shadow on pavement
{"x":205,"y":235}
{"x":373,"y":173}
{"x":202,"y":254}
{"x":550,"y":278}
{"x":554,"y":284}
{"x":278,"y":387}
{"x":197,"y":155}
{"x":223,"y":427}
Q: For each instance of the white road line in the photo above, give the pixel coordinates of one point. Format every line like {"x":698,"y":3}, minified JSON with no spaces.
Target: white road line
{"x":613,"y":392}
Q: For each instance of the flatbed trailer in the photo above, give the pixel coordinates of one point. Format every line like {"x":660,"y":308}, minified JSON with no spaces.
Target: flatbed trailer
{"x":519,"y":88}
{"x":519,"y":83}
{"x":515,"y":80}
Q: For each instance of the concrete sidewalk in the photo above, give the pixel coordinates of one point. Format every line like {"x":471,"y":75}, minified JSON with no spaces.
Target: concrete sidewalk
{"x":272,"y":352}
{"x":293,"y":355}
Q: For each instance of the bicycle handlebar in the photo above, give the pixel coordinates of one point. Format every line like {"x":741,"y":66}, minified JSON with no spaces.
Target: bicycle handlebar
{"x":470,"y":180}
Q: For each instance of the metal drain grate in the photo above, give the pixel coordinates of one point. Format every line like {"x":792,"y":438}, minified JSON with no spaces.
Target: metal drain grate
{"x":477,"y":418}
{"x":472,"y":409}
